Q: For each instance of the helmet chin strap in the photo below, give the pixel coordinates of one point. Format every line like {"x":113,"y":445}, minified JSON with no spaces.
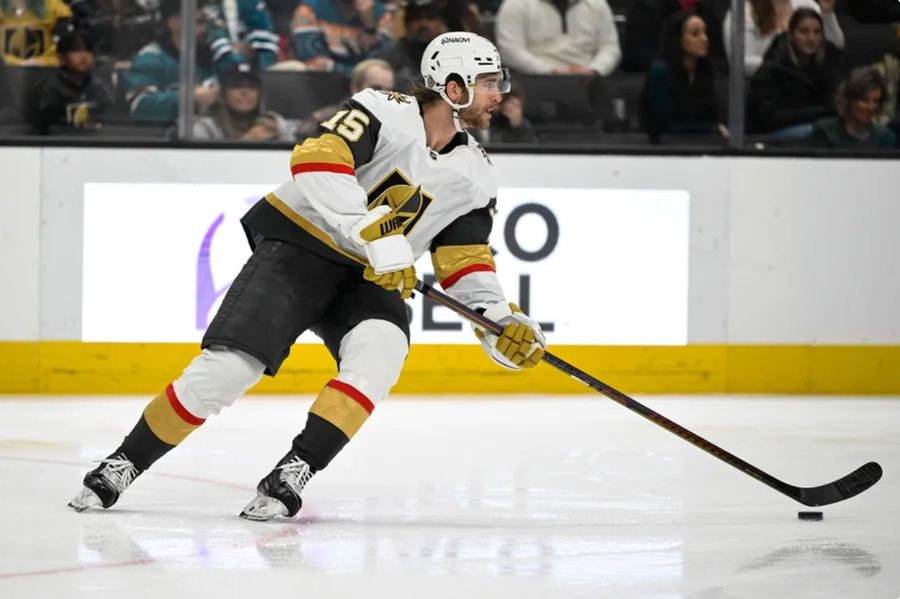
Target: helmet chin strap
{"x":455,"y":108}
{"x":456,"y":123}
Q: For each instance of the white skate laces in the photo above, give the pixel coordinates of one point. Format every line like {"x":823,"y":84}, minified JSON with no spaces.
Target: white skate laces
{"x":117,"y":473}
{"x":294,"y":474}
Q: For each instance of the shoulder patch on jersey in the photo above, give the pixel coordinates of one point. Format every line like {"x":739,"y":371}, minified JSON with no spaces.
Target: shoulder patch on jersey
{"x":393,"y":112}
{"x":396,"y":96}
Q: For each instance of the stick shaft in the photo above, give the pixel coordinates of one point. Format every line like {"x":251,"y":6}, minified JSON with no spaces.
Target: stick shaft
{"x":617,"y":396}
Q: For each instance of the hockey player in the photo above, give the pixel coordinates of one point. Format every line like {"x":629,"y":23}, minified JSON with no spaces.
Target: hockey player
{"x":390,"y":177}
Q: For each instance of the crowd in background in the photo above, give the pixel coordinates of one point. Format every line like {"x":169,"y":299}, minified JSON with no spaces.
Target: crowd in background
{"x":818,"y":73}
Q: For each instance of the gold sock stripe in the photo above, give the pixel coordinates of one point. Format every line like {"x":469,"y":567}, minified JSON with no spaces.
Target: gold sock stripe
{"x":168,"y":419}
{"x":340,"y":409}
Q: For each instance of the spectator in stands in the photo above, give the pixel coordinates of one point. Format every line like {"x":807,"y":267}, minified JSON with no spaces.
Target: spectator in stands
{"x":643,"y":25}
{"x":511,"y":126}
{"x":460,"y":15}
{"x":151,"y":84}
{"x":679,"y":93}
{"x":559,"y":36}
{"x":423,"y":22}
{"x":372,"y":73}
{"x":240,"y":112}
{"x":765,"y":19}
{"x":889,"y":67}
{"x":30,"y":29}
{"x":797,"y":81}
{"x":335,"y":35}
{"x":860,"y":98}
{"x":79,"y":94}
{"x":242,"y":30}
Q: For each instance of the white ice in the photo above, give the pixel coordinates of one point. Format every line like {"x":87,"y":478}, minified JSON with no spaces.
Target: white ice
{"x":501,"y":497}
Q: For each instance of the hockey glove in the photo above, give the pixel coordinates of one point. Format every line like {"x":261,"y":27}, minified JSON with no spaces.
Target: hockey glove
{"x":403,"y":281}
{"x":521,"y":345}
{"x":380,"y":234}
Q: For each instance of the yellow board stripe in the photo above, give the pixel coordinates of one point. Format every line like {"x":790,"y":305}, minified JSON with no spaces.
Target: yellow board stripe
{"x":327,"y":148}
{"x":340,"y":409}
{"x":165,"y":422}
{"x":450,"y":259}
{"x":118,"y":368}
{"x":311,"y":228}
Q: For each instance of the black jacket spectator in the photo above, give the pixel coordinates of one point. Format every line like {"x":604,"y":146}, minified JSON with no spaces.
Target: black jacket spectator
{"x":789,"y":89}
{"x":677,"y":97}
{"x":423,"y":22}
{"x":77,"y":97}
{"x":644,"y":20}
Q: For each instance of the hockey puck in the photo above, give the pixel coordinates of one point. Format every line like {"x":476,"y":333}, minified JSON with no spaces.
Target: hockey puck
{"x":809,"y":515}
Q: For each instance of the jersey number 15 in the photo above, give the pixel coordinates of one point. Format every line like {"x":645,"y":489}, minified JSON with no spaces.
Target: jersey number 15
{"x":349,"y":124}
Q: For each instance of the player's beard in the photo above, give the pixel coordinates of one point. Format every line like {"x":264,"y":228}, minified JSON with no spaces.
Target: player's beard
{"x":473,"y":117}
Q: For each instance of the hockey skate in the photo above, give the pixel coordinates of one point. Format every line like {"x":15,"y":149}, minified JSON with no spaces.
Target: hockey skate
{"x":104,"y":484}
{"x":279,"y":492}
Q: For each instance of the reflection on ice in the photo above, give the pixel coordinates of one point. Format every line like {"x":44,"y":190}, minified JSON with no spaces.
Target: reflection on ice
{"x":606,"y":505}
{"x":821,"y":550}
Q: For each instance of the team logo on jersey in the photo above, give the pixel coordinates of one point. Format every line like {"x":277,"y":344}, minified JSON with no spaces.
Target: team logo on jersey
{"x":395,"y":96}
{"x":406,"y":200}
{"x":24,"y":42}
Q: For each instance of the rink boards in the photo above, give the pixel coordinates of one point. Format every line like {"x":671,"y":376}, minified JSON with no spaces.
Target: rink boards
{"x":655,"y":274}
{"x":77,"y":367}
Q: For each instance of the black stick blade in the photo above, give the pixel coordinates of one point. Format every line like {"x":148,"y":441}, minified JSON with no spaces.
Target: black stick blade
{"x":851,"y":485}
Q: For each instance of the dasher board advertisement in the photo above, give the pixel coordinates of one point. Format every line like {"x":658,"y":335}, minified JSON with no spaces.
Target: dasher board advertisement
{"x":594,"y":266}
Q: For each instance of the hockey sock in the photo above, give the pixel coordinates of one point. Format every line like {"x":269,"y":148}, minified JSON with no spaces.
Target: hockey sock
{"x":338,"y":412}
{"x":164,"y":424}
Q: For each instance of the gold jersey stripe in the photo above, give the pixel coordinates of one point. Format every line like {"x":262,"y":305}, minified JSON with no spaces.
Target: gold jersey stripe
{"x":327,"y":148}
{"x":340,"y":409}
{"x":165,"y":422}
{"x":310,"y":228}
{"x":450,"y":259}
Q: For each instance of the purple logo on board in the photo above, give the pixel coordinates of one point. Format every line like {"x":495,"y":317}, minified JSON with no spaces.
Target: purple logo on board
{"x":207,"y":294}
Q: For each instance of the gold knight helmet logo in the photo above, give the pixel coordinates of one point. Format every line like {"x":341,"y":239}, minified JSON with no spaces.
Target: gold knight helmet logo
{"x":406,"y":201}
{"x":24,"y":42}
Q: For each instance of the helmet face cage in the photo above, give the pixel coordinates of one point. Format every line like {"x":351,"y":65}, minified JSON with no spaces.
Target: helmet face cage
{"x":466,"y":56}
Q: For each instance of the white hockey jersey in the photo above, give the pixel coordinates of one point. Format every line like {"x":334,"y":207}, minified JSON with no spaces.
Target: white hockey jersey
{"x":374,"y":152}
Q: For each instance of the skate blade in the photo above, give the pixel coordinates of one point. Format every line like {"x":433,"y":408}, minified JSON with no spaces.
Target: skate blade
{"x":84,"y":500}
{"x":263,"y":508}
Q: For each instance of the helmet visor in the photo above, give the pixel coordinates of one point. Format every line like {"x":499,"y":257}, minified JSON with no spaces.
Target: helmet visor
{"x":492,"y":83}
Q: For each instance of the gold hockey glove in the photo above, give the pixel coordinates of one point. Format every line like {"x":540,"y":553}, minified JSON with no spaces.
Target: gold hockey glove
{"x":403,"y":281}
{"x":520,"y":345}
{"x":390,"y":257}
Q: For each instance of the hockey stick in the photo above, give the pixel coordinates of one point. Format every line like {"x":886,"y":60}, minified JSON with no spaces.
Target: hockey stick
{"x":844,"y":488}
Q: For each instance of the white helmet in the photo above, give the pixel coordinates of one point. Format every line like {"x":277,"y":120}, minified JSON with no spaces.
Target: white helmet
{"x":466,"y":55}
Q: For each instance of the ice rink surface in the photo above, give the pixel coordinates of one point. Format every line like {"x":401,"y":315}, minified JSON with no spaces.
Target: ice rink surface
{"x":569,"y":496}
